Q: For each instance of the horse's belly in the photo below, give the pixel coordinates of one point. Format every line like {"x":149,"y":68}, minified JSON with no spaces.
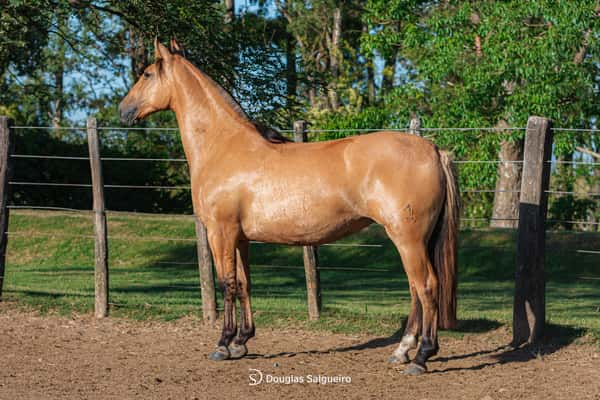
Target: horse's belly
{"x":302,"y":229}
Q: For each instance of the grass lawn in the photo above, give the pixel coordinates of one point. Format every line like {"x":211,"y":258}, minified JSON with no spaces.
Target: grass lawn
{"x":364,"y":288}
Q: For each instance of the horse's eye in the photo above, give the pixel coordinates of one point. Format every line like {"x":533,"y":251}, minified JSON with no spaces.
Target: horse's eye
{"x":147,"y":75}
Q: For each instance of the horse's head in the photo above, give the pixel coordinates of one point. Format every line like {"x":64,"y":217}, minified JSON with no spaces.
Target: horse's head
{"x":153,"y":90}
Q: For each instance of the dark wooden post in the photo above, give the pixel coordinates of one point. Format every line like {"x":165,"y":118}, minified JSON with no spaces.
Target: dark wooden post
{"x":529,"y":312}
{"x":207,"y":278}
{"x":311,"y":259}
{"x":415,"y":126}
{"x":101,"y":242}
{"x":5,"y":174}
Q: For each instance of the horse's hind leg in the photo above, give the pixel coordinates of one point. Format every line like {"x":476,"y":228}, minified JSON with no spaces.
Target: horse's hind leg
{"x":422,"y":278}
{"x":238,"y":349}
{"x":412,"y":330}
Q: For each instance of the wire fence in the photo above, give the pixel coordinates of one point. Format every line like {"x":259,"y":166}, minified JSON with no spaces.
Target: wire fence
{"x":310,"y":131}
{"x":315,"y":132}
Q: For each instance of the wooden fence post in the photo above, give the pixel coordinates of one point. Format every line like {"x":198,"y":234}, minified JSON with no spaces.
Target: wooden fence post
{"x":207,"y":278}
{"x":414,"y":126}
{"x":101,"y":242}
{"x":529,"y":312}
{"x":311,"y":259}
{"x":5,"y":175}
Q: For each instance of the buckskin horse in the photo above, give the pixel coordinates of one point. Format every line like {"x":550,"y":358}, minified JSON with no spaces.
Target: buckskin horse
{"x":245,"y":186}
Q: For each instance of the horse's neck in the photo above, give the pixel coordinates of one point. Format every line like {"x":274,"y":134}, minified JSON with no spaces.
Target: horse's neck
{"x":207,"y":121}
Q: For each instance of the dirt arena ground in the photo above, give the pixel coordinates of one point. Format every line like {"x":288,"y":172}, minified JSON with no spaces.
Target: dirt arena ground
{"x":51,"y":357}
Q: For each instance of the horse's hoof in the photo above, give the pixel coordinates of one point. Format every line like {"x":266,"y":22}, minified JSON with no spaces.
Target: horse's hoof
{"x":237,"y":350}
{"x":220,"y":354}
{"x":403,"y":359}
{"x":414,"y":369}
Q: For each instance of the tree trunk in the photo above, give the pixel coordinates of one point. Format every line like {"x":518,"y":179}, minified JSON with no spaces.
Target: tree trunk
{"x":312,"y":95}
{"x":505,"y":212}
{"x":389,"y":72}
{"x":370,"y":73}
{"x":595,"y":189}
{"x":290,"y":72}
{"x":137,"y":54}
{"x":371,"y":82}
{"x":334,"y":58}
{"x":229,"y":11}
{"x":57,"y":70}
{"x":58,"y":95}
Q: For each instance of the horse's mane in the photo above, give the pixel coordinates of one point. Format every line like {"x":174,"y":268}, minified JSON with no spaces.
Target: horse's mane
{"x":270,"y":134}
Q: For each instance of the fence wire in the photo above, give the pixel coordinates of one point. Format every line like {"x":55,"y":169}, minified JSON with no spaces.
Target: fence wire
{"x":43,"y":157}
{"x":309,"y":131}
{"x":459,"y":129}
{"x":89,"y":185}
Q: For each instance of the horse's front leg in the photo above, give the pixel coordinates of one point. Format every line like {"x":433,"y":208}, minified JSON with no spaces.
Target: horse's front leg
{"x":238,"y":349}
{"x":223,"y":241}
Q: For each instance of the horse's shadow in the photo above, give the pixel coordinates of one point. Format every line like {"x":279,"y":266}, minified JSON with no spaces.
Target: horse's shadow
{"x":557,"y":337}
{"x":371,"y":344}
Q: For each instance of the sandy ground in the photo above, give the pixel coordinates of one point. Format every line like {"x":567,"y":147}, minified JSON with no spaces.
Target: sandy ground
{"x":51,"y":357}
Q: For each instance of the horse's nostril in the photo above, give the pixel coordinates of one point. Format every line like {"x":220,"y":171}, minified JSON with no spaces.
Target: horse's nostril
{"x":128,"y":115}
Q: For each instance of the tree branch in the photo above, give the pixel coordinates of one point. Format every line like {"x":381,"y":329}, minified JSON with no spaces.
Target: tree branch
{"x":580,"y":55}
{"x":90,"y":4}
{"x":588,"y":152}
{"x":289,"y":19}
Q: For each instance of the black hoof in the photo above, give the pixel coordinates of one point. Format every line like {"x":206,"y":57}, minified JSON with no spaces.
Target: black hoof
{"x":220,"y":354}
{"x":414,"y":369}
{"x":403,"y":359}
{"x":237,"y":350}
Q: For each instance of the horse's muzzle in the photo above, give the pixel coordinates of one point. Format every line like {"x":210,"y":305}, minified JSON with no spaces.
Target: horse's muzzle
{"x":128,"y":114}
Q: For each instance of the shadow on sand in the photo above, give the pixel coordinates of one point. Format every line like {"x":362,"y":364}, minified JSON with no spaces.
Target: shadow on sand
{"x":557,"y":337}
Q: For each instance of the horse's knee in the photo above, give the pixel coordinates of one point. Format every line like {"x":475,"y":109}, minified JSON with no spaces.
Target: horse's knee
{"x":228,"y":288}
{"x":429,"y":290}
{"x":242,"y":290}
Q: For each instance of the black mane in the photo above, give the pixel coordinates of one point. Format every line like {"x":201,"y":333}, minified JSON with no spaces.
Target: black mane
{"x":270,"y":134}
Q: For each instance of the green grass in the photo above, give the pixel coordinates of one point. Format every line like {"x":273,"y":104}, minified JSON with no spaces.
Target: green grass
{"x":147,"y":280}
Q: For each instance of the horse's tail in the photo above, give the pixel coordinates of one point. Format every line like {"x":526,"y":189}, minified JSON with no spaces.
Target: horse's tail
{"x":443,"y":246}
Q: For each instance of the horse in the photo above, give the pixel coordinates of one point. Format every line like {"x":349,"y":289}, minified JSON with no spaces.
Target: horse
{"x":245,"y":186}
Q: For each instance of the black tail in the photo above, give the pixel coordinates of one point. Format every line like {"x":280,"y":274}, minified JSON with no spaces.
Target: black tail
{"x":444,"y":246}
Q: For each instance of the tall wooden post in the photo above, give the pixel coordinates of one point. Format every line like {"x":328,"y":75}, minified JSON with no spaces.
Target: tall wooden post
{"x":311,"y":259}
{"x":414,"y":126}
{"x":101,"y":242}
{"x":529,"y":312}
{"x":5,"y":174}
{"x":207,"y":278}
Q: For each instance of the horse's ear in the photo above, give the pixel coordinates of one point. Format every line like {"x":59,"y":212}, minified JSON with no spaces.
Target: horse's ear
{"x":160,"y":51}
{"x":176,"y":48}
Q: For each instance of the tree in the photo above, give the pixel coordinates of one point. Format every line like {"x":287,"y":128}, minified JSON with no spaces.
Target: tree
{"x":326,"y":33}
{"x":24,"y":28}
{"x":490,"y":63}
